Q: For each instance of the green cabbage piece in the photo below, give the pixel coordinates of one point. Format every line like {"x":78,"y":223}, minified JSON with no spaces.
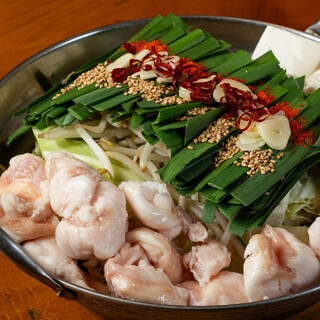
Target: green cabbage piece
{"x":79,"y":149}
{"x":302,"y":204}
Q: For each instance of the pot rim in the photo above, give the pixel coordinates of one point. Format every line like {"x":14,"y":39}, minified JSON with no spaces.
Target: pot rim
{"x":239,"y":306}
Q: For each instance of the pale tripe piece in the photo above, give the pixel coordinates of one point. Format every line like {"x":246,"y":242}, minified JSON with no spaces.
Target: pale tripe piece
{"x":172,"y":60}
{"x":130,"y":275}
{"x":47,"y":253}
{"x":278,"y":264}
{"x":298,"y":55}
{"x":164,"y":79}
{"x":314,"y":236}
{"x":153,"y":206}
{"x":275,"y":131}
{"x":205,"y":260}
{"x":122,"y":62}
{"x":312,"y":82}
{"x":248,"y":143}
{"x":25,"y":211}
{"x":159,"y":250}
{"x":219,"y":93}
{"x":93,"y":213}
{"x":223,"y":289}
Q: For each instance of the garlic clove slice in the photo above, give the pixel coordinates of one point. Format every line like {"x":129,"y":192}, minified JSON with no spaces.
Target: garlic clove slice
{"x":206,"y":79}
{"x":141,"y":54}
{"x":275,"y":131}
{"x":184,"y":93}
{"x":247,"y":143}
{"x":122,"y":62}
{"x":252,"y":131}
{"x":144,"y":75}
{"x":163,"y":53}
{"x":164,"y":79}
{"x":173,"y":59}
{"x":219,"y":93}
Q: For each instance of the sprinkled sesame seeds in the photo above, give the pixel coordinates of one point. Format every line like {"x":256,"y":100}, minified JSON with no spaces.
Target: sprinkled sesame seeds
{"x":103,"y":78}
{"x":200,"y":110}
{"x":258,"y":160}
{"x":195,"y":112}
{"x":98,"y":75}
{"x":150,"y":90}
{"x":216,"y":130}
{"x":230,"y":149}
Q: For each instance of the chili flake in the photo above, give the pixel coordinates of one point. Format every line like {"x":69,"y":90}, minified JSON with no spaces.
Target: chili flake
{"x":153,"y":46}
{"x":265,"y":96}
{"x":290,"y":112}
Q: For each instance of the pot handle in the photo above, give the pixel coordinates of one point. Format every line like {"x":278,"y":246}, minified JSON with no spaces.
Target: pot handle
{"x":314,"y":29}
{"x":24,"y":261}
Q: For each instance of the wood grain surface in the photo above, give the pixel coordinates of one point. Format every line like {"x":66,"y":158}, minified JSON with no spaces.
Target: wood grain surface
{"x":28,"y":26}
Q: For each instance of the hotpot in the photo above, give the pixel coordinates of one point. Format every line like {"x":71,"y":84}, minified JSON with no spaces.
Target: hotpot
{"x":37,"y":74}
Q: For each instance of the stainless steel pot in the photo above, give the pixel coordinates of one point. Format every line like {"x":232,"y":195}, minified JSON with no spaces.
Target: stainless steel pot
{"x":31,"y":78}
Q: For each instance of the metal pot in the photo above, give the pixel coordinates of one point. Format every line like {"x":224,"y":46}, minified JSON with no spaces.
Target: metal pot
{"x":31,"y":78}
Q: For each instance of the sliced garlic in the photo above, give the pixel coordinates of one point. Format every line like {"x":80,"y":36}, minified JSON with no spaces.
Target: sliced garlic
{"x":184,"y":93}
{"x":141,"y":54}
{"x":207,"y":79}
{"x":252,"y":131}
{"x":122,"y":62}
{"x":275,"y":131}
{"x":173,"y":59}
{"x":164,"y":79}
{"x":247,"y":143}
{"x":144,"y":75}
{"x":163,"y":53}
{"x":219,"y":93}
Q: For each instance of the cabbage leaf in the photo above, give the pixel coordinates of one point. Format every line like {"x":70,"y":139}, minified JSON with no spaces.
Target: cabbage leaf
{"x":301,"y":204}
{"x":79,"y":149}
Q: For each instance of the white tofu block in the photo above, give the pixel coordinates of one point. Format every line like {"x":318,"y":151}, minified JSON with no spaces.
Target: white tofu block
{"x":298,"y":55}
{"x":312,"y":82}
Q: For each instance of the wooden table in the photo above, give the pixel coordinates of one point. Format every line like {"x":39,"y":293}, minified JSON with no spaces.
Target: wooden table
{"x":27,"y":27}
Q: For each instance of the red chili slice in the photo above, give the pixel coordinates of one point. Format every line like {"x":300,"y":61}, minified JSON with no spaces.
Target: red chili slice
{"x":205,"y":87}
{"x":134,"y":66}
{"x":119,"y":74}
{"x":147,"y":67}
{"x":187,"y":85}
{"x":261,"y":115}
{"x":242,"y":118}
{"x":200,"y":97}
{"x":130,"y":48}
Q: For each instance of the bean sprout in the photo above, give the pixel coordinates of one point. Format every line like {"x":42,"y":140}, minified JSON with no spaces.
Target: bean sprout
{"x":129,"y":163}
{"x":97,"y":129}
{"x":101,"y":155}
{"x":144,"y":156}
